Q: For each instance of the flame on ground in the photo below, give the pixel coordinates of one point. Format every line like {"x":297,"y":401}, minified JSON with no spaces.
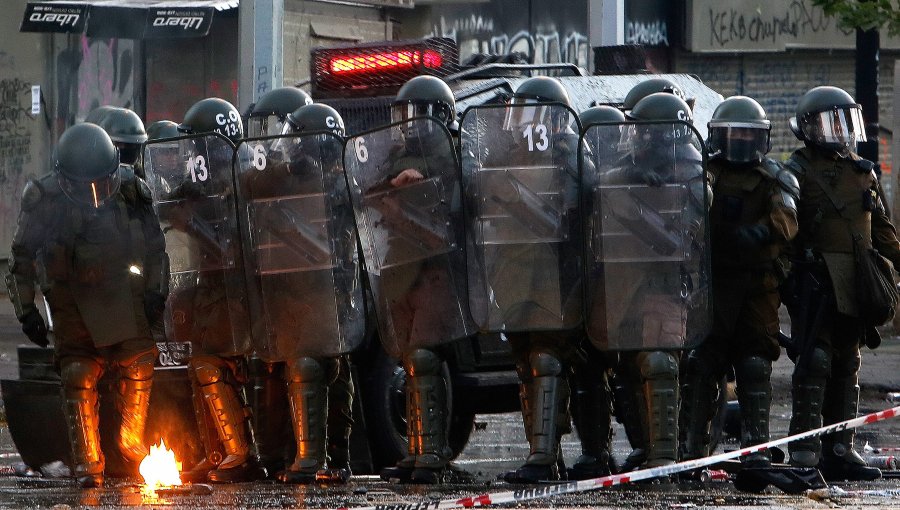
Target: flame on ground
{"x":160,"y":469}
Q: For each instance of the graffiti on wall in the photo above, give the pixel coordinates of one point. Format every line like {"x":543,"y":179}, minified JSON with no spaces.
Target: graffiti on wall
{"x":94,"y":72}
{"x":17,"y":127}
{"x":653,"y":33}
{"x":480,"y":34}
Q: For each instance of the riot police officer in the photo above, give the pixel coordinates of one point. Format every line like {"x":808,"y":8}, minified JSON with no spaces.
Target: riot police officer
{"x":841,"y":212}
{"x":208,"y":306}
{"x":304,"y":251}
{"x":591,"y":405}
{"x":752,"y":219}
{"x":91,"y":228}
{"x":664,"y":302}
{"x":415,"y":291}
{"x":651,"y":86}
{"x":269,"y":114}
{"x":127,"y":132}
{"x":530,"y":281}
{"x":162,"y":129}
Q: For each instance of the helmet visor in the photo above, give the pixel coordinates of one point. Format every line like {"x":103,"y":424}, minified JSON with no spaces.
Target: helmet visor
{"x":640,"y":136}
{"x":737,"y":143}
{"x":404,"y":111}
{"x":92,"y":193}
{"x":527,"y":111}
{"x":841,"y":126}
{"x":266,"y":125}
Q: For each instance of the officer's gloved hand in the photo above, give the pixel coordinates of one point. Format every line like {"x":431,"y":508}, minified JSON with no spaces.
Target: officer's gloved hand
{"x":651,"y":178}
{"x":154,"y":306}
{"x":34,"y":328}
{"x":751,"y":235}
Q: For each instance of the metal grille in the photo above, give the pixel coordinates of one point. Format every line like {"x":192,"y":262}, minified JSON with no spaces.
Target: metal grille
{"x":363,"y":114}
{"x":379,"y":69}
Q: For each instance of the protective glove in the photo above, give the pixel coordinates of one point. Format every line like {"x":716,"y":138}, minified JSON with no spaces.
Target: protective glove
{"x":751,"y":235}
{"x":34,"y":328}
{"x":154,"y":306}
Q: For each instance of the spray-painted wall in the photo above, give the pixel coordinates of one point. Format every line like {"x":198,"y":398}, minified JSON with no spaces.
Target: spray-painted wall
{"x":546,"y":32}
{"x":24,"y":137}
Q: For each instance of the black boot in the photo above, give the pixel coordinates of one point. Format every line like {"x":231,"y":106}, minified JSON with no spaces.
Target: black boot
{"x":631,"y":410}
{"x":699,"y":388}
{"x":592,"y":416}
{"x":754,"y":392}
{"x":307,"y":394}
{"x":660,"y":372}
{"x":839,"y":460}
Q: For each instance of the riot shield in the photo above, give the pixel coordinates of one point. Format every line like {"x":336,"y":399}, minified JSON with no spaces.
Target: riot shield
{"x":404,"y":186}
{"x":193,"y":190}
{"x":301,"y":247}
{"x":647,"y":284}
{"x":520,"y":183}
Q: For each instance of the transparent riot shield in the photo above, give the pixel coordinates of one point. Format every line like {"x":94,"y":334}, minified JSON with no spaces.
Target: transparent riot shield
{"x":301,"y":247}
{"x":192,"y":183}
{"x":404,"y":186}
{"x":645,"y":198}
{"x":520,"y":182}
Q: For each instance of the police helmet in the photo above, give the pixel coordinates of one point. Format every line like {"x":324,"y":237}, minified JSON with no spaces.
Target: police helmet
{"x":316,"y":117}
{"x":607,"y":137}
{"x":213,"y":115}
{"x":87,"y":165}
{"x":651,"y":86}
{"x":739,"y":130}
{"x":541,"y":89}
{"x":660,"y":107}
{"x":269,"y":113}
{"x":162,"y":129}
{"x":828,"y":117}
{"x":126,"y":130}
{"x":424,"y":95}
{"x":96,"y":115}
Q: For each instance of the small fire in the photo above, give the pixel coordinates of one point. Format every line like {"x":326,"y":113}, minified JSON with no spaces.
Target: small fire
{"x":160,"y":469}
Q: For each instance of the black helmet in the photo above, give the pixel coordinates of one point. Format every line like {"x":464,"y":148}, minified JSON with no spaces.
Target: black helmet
{"x":651,"y":86}
{"x":87,"y":164}
{"x":162,"y":129}
{"x":599,"y":114}
{"x":213,"y":115}
{"x":424,"y":95}
{"x":606,"y":137}
{"x":541,"y":89}
{"x":269,"y":113}
{"x":739,"y":130}
{"x":316,"y":117}
{"x":830,"y":118}
{"x":96,"y":115}
{"x":126,"y":130}
{"x":661,"y":107}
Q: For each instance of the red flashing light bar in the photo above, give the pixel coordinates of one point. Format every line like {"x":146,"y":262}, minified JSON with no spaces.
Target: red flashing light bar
{"x":387,"y":61}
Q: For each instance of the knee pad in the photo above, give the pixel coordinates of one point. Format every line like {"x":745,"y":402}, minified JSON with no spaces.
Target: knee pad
{"x":544,"y":364}
{"x":304,"y":370}
{"x":658,"y":365}
{"x":422,"y":362}
{"x":819,"y":363}
{"x":140,"y":368}
{"x":80,"y":373}
{"x":753,"y":368}
{"x":208,"y":369}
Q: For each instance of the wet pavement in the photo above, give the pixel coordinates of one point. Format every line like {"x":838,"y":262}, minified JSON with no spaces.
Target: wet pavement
{"x":497,"y":445}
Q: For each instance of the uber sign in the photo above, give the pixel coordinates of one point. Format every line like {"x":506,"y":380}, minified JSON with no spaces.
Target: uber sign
{"x":54,"y":18}
{"x":178,"y":22}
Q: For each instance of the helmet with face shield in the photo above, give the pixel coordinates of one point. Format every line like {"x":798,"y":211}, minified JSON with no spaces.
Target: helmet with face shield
{"x":534,"y":91}
{"x":213,"y":115}
{"x":424,"y":95}
{"x":603,"y":114}
{"x":127,"y":132}
{"x":659,"y":107}
{"x":87,"y":165}
{"x":316,"y":117}
{"x":270,"y":112}
{"x":828,"y":117}
{"x":739,"y":130}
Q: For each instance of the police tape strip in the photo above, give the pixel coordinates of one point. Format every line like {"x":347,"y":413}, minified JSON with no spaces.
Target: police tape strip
{"x":529,"y":493}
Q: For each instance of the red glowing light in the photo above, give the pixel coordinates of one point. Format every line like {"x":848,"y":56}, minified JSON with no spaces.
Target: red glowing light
{"x":386,"y":61}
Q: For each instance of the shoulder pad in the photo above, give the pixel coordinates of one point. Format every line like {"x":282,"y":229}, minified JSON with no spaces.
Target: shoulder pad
{"x":32,"y":195}
{"x":769,"y":168}
{"x":796,"y":166}
{"x":144,"y":190}
{"x":126,"y":172}
{"x":687,"y":152}
{"x":788,"y":181}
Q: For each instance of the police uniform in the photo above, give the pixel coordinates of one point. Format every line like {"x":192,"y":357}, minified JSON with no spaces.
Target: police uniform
{"x":94,"y":267}
{"x":750,"y":198}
